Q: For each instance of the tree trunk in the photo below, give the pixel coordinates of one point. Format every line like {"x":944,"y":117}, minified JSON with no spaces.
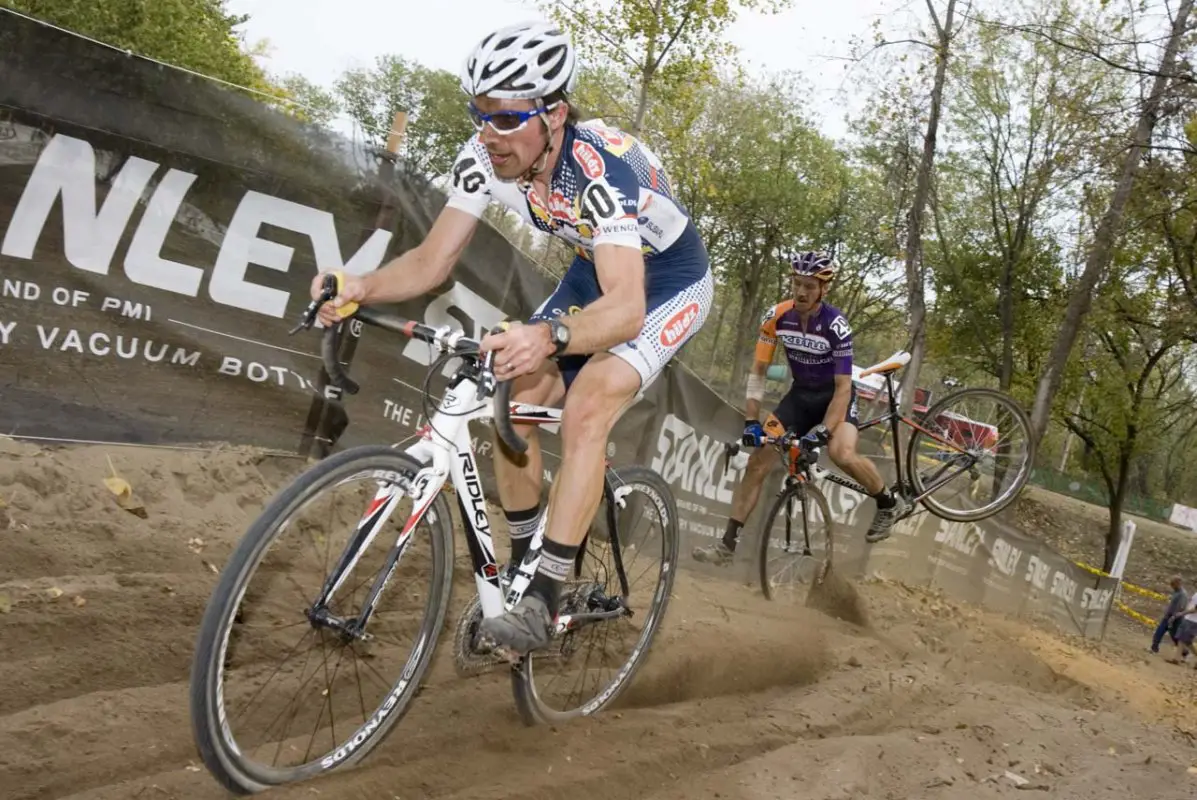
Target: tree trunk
{"x":1114,"y":533}
{"x":746,"y":330}
{"x":642,"y":101}
{"x":1006,"y":314}
{"x":916,"y":298}
{"x":715,"y":344}
{"x":1099,"y":254}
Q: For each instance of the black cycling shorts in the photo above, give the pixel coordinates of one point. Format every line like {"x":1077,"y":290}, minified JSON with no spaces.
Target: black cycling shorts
{"x":803,"y":408}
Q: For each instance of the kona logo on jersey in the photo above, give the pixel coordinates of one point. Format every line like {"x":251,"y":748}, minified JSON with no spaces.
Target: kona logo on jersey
{"x":677,"y":326}
{"x":592,"y":163}
{"x":805,"y":342}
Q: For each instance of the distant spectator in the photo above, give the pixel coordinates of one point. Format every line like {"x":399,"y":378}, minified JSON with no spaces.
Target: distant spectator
{"x":1186,"y":631}
{"x":1170,"y":622}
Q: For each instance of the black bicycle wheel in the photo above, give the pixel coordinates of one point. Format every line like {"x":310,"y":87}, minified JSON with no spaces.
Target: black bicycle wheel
{"x":632,"y":494}
{"x":227,"y":641}
{"x":800,"y":527}
{"x":988,"y":476}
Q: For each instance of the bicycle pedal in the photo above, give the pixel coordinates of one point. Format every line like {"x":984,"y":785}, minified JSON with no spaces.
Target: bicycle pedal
{"x":501,"y":653}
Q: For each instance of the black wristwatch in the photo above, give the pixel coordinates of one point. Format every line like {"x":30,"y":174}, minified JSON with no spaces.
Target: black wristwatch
{"x":558,"y":335}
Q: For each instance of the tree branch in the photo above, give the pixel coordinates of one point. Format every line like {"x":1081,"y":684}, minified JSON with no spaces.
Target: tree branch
{"x":1075,"y":48}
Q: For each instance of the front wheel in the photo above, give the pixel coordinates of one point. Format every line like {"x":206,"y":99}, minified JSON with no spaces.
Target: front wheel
{"x":344,"y":677}
{"x":972,"y":455}
{"x":627,"y":561}
{"x":795,"y":543}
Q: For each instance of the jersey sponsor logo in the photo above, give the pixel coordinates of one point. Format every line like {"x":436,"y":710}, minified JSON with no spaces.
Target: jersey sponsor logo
{"x":537,"y":208}
{"x":560,"y":208}
{"x":610,"y":136}
{"x":678,"y":325}
{"x":768,"y":315}
{"x":619,"y":227}
{"x":793,"y":340}
{"x":617,"y":142}
{"x":840,"y":327}
{"x":592,"y":163}
{"x":653,"y":227}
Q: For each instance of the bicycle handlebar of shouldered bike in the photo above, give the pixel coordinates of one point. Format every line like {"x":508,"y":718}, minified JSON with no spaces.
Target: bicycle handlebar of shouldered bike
{"x":445,"y":339}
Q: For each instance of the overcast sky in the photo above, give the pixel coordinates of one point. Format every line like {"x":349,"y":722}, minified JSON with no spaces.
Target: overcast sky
{"x":307,"y":39}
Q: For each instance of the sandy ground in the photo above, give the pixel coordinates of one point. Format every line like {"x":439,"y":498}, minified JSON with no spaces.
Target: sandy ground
{"x":740,"y":698}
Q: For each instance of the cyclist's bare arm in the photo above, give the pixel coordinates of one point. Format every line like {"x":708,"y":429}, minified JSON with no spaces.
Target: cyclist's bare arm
{"x":837,"y":409}
{"x":426,"y":265}
{"x":618,"y":315}
{"x":756,"y":389}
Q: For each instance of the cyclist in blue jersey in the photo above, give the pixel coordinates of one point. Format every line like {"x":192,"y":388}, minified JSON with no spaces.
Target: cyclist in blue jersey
{"x":638,"y":289}
{"x":821,"y":402}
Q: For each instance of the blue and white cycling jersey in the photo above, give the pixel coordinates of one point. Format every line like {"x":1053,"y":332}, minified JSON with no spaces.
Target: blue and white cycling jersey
{"x":607,"y":188}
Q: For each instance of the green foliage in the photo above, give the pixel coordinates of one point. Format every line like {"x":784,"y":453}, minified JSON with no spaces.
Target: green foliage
{"x":313,"y":103}
{"x":667,"y":48}
{"x":437,"y":123}
{"x":199,"y":35}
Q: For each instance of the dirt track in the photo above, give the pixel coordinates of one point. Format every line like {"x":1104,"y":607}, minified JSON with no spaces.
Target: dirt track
{"x":740,"y":699}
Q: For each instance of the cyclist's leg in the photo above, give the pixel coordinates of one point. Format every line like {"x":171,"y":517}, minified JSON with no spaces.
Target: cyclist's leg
{"x":844,"y":440}
{"x":842,"y":449}
{"x":607,"y":385}
{"x":520,"y":478}
{"x":748,"y":491}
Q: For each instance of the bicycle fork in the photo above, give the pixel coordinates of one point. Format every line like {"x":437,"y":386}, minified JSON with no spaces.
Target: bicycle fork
{"x":423,"y":490}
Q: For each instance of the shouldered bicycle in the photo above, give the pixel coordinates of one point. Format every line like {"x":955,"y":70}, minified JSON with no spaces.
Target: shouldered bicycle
{"x":345,"y":610}
{"x":947,"y":443}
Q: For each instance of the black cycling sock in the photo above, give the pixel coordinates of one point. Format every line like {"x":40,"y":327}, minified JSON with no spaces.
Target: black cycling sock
{"x":732,"y":535}
{"x":885,"y":499}
{"x":521,"y":525}
{"x":556,"y":566}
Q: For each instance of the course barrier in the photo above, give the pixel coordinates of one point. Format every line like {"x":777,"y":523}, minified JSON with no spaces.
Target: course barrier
{"x":159,"y":233}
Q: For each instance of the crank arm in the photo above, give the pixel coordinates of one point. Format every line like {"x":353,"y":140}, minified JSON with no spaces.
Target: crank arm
{"x":571,"y":622}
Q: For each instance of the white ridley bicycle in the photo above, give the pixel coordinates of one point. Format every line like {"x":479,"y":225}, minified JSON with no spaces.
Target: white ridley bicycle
{"x":348,"y":616}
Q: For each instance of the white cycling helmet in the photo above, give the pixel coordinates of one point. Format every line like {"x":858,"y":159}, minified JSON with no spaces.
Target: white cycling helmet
{"x":521,"y":62}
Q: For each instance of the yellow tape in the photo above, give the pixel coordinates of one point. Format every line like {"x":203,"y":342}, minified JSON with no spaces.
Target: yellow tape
{"x":1135,"y":615}
{"x":1130,"y":587}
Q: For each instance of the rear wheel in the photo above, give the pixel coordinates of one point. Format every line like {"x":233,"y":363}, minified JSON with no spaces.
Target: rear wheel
{"x":584,"y":670}
{"x":975,"y":454}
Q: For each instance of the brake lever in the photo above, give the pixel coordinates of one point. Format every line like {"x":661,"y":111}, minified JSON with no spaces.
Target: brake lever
{"x":327,"y":293}
{"x":729,"y":449}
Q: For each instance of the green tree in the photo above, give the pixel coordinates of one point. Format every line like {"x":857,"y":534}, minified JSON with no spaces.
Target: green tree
{"x":1136,"y":388}
{"x":665,"y":48}
{"x":1105,"y":238}
{"x":437,"y":124}
{"x":1023,"y":121}
{"x":199,"y":35}
{"x":313,"y":103}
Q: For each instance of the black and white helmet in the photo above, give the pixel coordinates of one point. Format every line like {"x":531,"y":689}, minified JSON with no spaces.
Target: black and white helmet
{"x":521,"y":62}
